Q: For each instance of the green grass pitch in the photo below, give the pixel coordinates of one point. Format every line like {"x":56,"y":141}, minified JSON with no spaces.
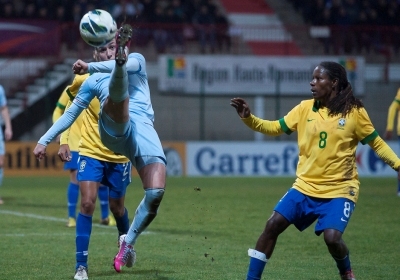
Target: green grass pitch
{"x":203,"y":231}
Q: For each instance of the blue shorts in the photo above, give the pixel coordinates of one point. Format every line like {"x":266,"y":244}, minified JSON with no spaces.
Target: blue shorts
{"x":116,"y":176}
{"x":140,"y":144}
{"x":302,"y":210}
{"x":73,"y":163}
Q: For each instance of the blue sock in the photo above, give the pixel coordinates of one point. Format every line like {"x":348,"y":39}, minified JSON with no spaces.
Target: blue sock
{"x":103,"y":197}
{"x":257,"y":264}
{"x":398,"y":185}
{"x":122,"y":223}
{"x":344,"y":264}
{"x":83,"y":231}
{"x":72,"y":196}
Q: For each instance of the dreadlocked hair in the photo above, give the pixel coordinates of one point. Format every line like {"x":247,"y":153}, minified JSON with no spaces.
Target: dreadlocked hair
{"x":344,"y":102}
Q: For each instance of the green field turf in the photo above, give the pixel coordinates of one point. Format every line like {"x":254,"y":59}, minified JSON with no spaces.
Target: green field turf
{"x":203,"y":231}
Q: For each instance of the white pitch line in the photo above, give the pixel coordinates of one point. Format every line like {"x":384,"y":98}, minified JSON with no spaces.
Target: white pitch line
{"x":40,"y":217}
{"x":48,"y":218}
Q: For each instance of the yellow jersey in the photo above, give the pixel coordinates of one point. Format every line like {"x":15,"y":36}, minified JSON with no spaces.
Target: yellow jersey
{"x":90,"y":144}
{"x":75,"y":130}
{"x":393,"y":109}
{"x":327,"y":147}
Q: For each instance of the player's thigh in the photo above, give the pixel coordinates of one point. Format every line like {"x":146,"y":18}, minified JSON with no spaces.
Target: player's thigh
{"x":150,"y":160}
{"x":89,"y":190}
{"x":153,"y":174}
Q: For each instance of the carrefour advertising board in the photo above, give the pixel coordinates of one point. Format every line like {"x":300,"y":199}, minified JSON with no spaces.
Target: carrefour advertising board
{"x":265,"y":159}
{"x":201,"y":159}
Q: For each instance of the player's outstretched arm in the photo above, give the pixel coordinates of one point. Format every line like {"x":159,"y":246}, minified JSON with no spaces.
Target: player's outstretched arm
{"x":135,"y":63}
{"x":65,"y":121}
{"x":392,"y":111}
{"x":386,"y":153}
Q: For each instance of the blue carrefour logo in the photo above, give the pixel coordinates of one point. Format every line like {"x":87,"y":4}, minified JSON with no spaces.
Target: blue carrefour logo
{"x":211,"y":161}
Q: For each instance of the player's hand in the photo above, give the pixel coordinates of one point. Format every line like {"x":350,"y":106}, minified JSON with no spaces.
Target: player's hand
{"x":388,"y":134}
{"x":39,"y":151}
{"x":8,"y":134}
{"x":241,"y":106}
{"x":64,"y":153}
{"x":80,"y":67}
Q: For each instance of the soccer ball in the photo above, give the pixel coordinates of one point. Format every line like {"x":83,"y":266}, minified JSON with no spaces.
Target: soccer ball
{"x":97,"y":28}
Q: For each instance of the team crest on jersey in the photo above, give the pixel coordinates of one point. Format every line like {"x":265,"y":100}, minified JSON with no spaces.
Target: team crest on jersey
{"x":82,"y":166}
{"x":341,"y":123}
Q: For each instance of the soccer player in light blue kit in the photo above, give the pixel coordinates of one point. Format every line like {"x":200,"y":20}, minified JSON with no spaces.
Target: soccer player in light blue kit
{"x":7,"y":131}
{"x":125,"y":126}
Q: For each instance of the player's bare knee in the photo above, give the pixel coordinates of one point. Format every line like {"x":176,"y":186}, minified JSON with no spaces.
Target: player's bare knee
{"x":332,"y":238}
{"x":276,"y":224}
{"x":117,"y":207}
{"x":87,"y":207}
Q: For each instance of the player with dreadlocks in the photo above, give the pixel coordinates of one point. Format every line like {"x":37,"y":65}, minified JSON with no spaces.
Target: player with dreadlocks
{"x":326,"y":189}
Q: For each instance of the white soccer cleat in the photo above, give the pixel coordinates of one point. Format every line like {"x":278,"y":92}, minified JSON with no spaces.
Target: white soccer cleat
{"x":81,"y":273}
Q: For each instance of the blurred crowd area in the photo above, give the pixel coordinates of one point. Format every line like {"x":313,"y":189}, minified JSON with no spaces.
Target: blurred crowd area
{"x":356,"y":25}
{"x":362,"y":27}
{"x":169,"y":23}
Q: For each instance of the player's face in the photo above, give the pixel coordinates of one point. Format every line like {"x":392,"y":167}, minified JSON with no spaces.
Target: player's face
{"x":105,"y":53}
{"x":322,"y":87}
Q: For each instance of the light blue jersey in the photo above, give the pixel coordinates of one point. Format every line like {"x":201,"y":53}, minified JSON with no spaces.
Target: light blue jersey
{"x":140,"y":143}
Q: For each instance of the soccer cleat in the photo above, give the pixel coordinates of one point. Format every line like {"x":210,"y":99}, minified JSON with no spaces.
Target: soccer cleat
{"x":81,"y":273}
{"x":71,"y":222}
{"x":123,"y":38}
{"x":111,"y":221}
{"x":131,"y":255}
{"x":349,"y":275}
{"x":126,"y":255}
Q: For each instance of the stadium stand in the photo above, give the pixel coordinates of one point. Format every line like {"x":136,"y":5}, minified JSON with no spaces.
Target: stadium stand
{"x":260,"y":27}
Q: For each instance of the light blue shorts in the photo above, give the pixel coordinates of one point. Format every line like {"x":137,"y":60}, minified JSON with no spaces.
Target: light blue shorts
{"x":116,"y":176}
{"x":73,"y":163}
{"x":140,"y":144}
{"x":302,"y":210}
